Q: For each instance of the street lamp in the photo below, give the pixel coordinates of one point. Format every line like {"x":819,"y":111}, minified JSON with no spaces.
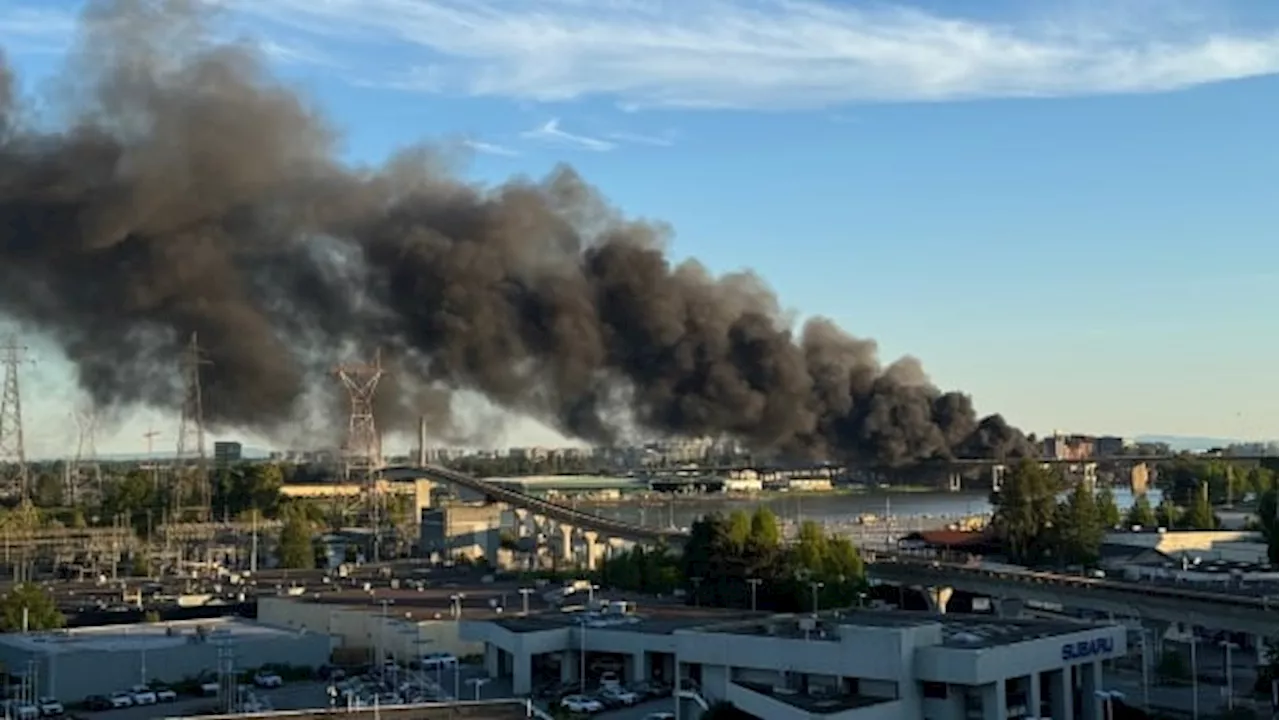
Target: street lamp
{"x":1231,"y":691}
{"x":478,"y":683}
{"x":815,"y":587}
{"x":1195,"y":677}
{"x":1108,"y":697}
{"x":582,"y":655}
{"x":755,"y":585}
{"x":524,"y":600}
{"x":591,"y":596}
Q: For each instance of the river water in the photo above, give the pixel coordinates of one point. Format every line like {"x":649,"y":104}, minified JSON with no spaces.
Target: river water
{"x":860,"y":514}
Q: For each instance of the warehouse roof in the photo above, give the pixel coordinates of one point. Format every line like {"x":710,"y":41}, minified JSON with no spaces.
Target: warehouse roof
{"x":147,"y":636}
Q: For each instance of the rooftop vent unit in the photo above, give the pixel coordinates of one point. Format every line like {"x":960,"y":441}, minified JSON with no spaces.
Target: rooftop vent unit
{"x":967,"y":638}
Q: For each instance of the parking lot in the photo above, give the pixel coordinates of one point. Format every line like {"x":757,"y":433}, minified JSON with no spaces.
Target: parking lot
{"x":293,"y":696}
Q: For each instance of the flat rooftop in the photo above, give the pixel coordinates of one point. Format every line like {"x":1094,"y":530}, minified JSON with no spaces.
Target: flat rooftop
{"x":479,"y":601}
{"x":657,"y":619}
{"x":145,"y":636}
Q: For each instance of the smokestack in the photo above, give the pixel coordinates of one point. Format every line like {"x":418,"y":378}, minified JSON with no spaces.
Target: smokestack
{"x":422,"y":441}
{"x":187,"y":190}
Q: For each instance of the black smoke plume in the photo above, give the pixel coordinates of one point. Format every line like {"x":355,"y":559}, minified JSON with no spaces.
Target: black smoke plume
{"x":178,"y":187}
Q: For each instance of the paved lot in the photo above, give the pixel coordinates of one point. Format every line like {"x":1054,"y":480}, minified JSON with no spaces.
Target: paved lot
{"x":294,"y":696}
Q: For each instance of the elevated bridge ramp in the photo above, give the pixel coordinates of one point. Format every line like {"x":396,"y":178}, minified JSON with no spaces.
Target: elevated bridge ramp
{"x":555,"y":511}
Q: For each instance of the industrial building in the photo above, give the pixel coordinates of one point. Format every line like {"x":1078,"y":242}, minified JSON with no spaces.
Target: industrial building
{"x":841,"y":666}
{"x":72,"y":664}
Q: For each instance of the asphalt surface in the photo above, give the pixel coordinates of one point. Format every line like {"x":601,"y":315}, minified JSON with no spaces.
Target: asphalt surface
{"x":293,"y":696}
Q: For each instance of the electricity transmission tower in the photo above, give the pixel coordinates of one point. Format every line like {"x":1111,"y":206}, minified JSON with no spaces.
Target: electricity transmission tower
{"x":362,"y":451}
{"x":84,"y":471}
{"x":14,"y":478}
{"x":192,"y":481}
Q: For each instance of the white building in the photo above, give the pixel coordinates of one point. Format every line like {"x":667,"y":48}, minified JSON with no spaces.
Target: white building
{"x":851,"y":666}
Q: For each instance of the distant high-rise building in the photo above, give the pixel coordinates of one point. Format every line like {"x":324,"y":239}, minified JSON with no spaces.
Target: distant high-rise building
{"x":227,"y":453}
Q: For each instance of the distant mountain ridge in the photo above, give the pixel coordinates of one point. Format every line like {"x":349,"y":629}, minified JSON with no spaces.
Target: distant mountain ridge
{"x":1191,"y":443}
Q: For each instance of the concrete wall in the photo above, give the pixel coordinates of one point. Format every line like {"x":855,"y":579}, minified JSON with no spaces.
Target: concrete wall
{"x":1178,"y":541}
{"x":471,"y":531}
{"x":72,"y":676}
{"x":365,"y":628}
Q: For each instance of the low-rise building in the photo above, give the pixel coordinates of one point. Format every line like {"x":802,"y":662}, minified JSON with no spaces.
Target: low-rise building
{"x":72,"y":664}
{"x":840,"y":666}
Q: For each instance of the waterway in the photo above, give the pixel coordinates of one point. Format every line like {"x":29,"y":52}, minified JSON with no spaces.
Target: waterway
{"x":860,"y":514}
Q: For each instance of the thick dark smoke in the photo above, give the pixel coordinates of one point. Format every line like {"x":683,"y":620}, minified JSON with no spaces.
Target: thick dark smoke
{"x":183,"y":189}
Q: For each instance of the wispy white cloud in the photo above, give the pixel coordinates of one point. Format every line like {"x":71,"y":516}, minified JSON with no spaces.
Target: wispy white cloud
{"x":34,"y":28}
{"x":778,"y":54}
{"x":488,"y":148}
{"x":551,"y":132}
{"x":664,"y":140}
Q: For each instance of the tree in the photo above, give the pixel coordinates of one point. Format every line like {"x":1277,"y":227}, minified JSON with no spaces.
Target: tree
{"x":33,"y":602}
{"x":1268,"y":521}
{"x":1140,"y":513}
{"x":1108,"y":511}
{"x":1079,"y":529}
{"x":1025,"y":509}
{"x":1168,"y":514}
{"x":296,"y":551}
{"x":765,"y":533}
{"x":1200,"y":515}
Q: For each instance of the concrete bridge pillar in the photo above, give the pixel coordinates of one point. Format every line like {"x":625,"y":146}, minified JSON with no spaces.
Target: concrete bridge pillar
{"x":1138,"y":479}
{"x":564,"y":542}
{"x":953,"y":482}
{"x":997,"y":477}
{"x":592,"y":549}
{"x":938,"y":597}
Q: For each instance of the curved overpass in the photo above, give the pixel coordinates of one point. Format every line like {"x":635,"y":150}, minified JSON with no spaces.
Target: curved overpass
{"x":1222,"y":611}
{"x":538,"y":506}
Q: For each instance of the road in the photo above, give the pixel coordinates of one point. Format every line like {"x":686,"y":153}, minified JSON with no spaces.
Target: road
{"x":294,"y":696}
{"x":1212,"y":697}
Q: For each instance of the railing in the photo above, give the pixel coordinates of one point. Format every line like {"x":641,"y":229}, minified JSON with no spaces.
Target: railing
{"x":1046,"y":578}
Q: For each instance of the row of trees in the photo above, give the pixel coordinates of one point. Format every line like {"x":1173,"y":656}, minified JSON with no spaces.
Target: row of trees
{"x":1036,"y":527}
{"x":1185,"y":478}
{"x":729,"y":559}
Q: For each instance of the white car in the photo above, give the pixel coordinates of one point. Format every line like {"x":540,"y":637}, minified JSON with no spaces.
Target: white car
{"x":50,"y":707}
{"x":166,"y":695}
{"x":581,"y":704}
{"x":268,"y":680}
{"x":431,"y":661}
{"x":22,"y":710}
{"x":610,"y":679}
{"x":120,"y":700}
{"x":143,"y":695}
{"x":660,"y":716}
{"x":619,"y":695}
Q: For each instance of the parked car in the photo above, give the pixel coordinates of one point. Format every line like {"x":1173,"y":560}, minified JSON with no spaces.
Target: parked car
{"x":619,"y":695}
{"x":581,"y":704}
{"x":660,"y":716}
{"x":610,"y":679}
{"x":434,"y":660}
{"x":97,"y":703}
{"x":143,"y":695}
{"x":50,"y":707}
{"x":120,"y":700}
{"x":165,"y":695}
{"x":267,"y":680}
{"x":21,"y":710}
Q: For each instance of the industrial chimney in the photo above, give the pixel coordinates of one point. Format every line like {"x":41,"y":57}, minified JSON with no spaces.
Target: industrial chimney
{"x":422,"y":441}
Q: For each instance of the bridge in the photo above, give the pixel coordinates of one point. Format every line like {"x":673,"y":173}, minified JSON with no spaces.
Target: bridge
{"x":537,"y":506}
{"x":1220,"y":611}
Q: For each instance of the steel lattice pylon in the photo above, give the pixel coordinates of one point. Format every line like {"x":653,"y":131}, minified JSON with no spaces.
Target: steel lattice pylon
{"x":192,"y":481}
{"x":362,"y":451}
{"x":14,"y":478}
{"x":84,"y":472}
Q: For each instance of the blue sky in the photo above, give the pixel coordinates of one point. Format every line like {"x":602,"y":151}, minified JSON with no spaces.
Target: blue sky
{"x":1067,"y":209}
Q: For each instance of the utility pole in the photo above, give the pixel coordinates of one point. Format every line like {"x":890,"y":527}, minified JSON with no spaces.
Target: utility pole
{"x":191,"y":439}
{"x":362,"y":451}
{"x":14,"y":478}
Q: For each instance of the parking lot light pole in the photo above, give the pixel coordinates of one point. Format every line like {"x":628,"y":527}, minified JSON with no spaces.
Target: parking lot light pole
{"x":755,"y":585}
{"x":524,"y":600}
